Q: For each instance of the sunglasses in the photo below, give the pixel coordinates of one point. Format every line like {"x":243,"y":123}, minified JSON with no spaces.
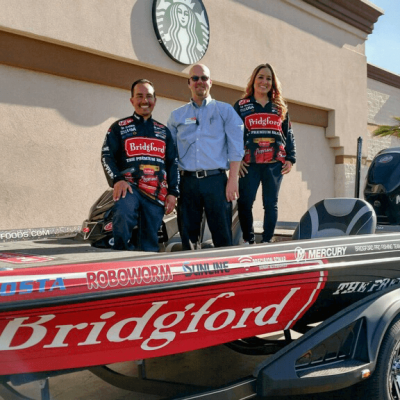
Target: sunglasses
{"x":195,"y":78}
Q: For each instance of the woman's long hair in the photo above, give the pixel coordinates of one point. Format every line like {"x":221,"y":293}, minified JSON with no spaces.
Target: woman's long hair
{"x":274,"y":95}
{"x":176,"y":47}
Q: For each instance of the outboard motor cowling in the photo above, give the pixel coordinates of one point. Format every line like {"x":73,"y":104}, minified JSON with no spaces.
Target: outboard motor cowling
{"x":382,"y":186}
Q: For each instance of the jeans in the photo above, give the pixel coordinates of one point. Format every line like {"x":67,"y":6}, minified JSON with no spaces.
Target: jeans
{"x":270,"y":177}
{"x":126,"y":213}
{"x":206,"y":194}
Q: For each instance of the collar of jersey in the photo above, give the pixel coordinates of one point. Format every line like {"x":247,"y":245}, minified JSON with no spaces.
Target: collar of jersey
{"x":139,"y":119}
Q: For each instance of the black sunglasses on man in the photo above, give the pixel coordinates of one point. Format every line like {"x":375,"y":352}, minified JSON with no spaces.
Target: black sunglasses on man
{"x":195,"y":78}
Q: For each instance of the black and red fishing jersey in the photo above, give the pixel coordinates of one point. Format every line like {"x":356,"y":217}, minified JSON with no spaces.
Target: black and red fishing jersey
{"x":266,"y":136}
{"x":143,"y":153}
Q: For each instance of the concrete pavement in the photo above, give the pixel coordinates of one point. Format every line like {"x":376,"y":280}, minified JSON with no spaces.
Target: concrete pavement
{"x":214,"y":366}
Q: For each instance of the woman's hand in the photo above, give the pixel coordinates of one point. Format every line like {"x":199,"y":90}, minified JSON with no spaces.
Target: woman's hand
{"x":242,"y":169}
{"x":286,"y":167}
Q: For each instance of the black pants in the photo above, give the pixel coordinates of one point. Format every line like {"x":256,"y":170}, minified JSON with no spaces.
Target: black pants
{"x":208,"y":194}
{"x":270,"y":176}
{"x":125,"y":218}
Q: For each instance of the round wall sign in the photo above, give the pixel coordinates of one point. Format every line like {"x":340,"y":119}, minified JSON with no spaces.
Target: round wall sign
{"x":182,"y":29}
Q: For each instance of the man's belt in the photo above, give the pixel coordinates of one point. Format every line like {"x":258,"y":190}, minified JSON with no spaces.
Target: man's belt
{"x":203,"y":174}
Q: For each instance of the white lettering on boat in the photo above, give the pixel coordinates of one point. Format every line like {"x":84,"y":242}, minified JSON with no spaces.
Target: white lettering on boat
{"x":318,"y":253}
{"x":327,"y":252}
{"x":378,"y":247}
{"x":128,"y":276}
{"x":365,"y":287}
{"x":26,"y":332}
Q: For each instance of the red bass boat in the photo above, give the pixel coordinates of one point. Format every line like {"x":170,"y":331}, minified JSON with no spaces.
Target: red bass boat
{"x":61,"y":316}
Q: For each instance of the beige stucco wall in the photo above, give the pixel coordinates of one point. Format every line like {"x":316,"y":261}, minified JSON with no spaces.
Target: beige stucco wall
{"x":52,"y":130}
{"x":311,"y":179}
{"x":55,"y":126}
{"x":319,"y":59}
{"x":383,"y":104}
{"x":50,"y":165}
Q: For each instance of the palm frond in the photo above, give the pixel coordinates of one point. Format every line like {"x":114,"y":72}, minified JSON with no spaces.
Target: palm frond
{"x":388,"y":130}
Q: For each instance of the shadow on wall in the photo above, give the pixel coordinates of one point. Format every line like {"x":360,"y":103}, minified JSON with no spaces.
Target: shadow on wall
{"x":306,"y":22}
{"x":315,"y":171}
{"x":312,"y":178}
{"x":383,"y":103}
{"x":80,"y":103}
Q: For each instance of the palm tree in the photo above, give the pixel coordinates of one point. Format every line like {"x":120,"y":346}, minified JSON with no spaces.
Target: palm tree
{"x":388,"y":130}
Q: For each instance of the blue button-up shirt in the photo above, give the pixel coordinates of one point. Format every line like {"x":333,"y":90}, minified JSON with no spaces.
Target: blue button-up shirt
{"x":207,"y":137}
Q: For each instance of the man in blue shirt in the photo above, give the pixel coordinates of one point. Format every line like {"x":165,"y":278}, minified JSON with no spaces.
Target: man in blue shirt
{"x":209,"y":139}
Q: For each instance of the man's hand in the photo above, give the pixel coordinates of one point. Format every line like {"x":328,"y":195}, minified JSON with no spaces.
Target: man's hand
{"x":170,"y":203}
{"x":243,"y":170}
{"x":120,"y":189}
{"x":286,"y":167}
{"x":232,"y":189}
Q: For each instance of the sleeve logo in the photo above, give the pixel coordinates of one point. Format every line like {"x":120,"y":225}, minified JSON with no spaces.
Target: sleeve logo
{"x":125,"y":122}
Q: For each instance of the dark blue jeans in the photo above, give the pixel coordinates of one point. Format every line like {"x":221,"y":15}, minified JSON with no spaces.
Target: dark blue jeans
{"x":126,"y":216}
{"x":204,"y":194}
{"x":270,"y":177}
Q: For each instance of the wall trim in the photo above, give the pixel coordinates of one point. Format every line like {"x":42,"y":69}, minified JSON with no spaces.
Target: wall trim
{"x":357,"y":13}
{"x":349,"y":160}
{"x":382,"y":75}
{"x":56,"y":59}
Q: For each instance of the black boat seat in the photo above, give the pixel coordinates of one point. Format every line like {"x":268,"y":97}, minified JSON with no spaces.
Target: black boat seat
{"x":336,"y":217}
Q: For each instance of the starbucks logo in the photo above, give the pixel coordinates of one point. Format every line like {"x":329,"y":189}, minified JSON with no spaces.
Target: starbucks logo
{"x":182,"y":29}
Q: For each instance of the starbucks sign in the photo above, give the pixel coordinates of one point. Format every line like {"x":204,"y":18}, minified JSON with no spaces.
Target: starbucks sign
{"x":182,"y":29}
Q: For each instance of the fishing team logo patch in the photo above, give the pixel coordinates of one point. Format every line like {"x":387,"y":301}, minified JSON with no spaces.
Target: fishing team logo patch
{"x":263,"y":121}
{"x":145,"y":147}
{"x":182,"y":29}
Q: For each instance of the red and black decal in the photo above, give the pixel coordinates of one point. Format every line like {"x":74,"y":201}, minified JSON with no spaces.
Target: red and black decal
{"x":263,"y":121}
{"x":145,"y":147}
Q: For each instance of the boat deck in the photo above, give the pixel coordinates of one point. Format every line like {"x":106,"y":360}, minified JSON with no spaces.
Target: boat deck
{"x":66,"y":250}
{"x":56,"y":251}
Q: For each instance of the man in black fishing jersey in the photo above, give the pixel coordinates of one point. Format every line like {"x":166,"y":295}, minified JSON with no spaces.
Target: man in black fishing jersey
{"x":140,"y":163}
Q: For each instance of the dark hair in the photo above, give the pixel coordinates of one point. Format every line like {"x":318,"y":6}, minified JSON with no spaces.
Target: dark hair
{"x":274,"y":95}
{"x":141,"y":81}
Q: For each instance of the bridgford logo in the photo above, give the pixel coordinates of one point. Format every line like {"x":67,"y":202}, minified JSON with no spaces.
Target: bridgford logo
{"x":261,"y":121}
{"x":149,"y":147}
{"x":151,"y":327}
{"x":182,"y":29}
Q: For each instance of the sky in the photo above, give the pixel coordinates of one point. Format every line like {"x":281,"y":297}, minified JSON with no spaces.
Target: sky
{"x":383,"y":46}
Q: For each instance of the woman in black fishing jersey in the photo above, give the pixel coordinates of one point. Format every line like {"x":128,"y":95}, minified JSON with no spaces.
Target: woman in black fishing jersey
{"x":270,"y":149}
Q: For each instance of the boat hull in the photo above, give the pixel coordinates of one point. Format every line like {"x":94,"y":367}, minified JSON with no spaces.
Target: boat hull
{"x":73,"y":316}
